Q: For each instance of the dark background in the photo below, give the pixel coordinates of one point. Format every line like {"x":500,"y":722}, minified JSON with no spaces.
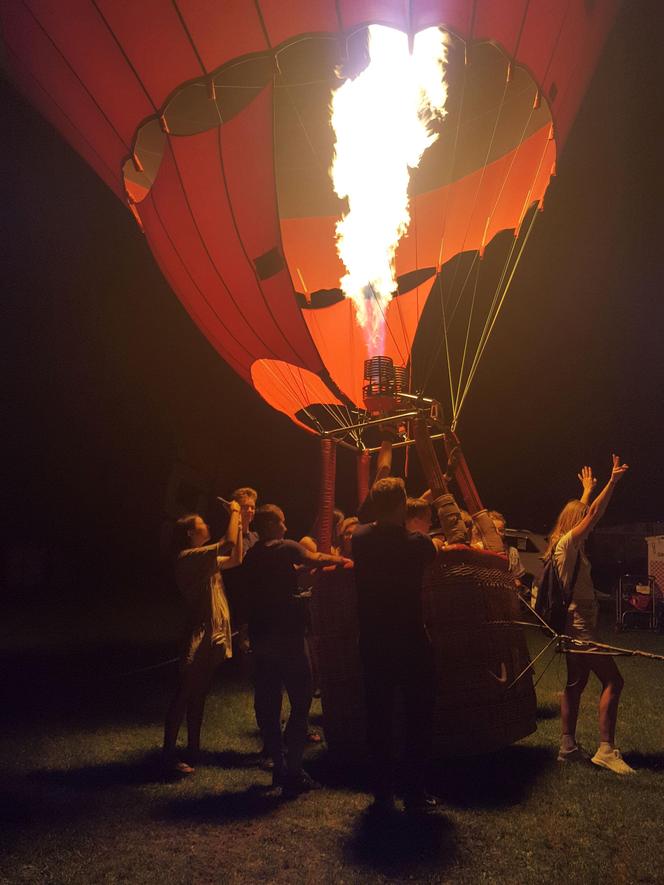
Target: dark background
{"x":112,"y":396}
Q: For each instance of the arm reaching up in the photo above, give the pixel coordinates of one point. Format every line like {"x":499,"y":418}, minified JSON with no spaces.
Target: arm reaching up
{"x":598,"y":507}
{"x":588,"y":483}
{"x":384,"y":460}
{"x":234,"y":537}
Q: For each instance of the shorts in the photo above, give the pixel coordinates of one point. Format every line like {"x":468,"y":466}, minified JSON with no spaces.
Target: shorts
{"x":582,"y":624}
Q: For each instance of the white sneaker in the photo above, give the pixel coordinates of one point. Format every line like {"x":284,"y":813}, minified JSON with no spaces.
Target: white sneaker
{"x":613,"y":760}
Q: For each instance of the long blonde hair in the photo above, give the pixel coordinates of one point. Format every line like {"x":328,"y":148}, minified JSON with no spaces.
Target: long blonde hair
{"x":570,"y":516}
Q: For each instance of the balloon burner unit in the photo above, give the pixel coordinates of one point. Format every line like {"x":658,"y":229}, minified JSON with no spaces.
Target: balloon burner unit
{"x":383,"y":385}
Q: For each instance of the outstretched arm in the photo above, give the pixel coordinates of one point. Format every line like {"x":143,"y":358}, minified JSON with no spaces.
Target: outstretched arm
{"x":588,"y":483}
{"x":313,"y":559}
{"x":598,"y":507}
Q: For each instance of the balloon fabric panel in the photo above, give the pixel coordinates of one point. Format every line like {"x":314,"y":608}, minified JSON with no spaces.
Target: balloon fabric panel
{"x":222,"y":31}
{"x":58,"y":118}
{"x":61,"y":87}
{"x":96,"y":70}
{"x":290,"y":389}
{"x":104,"y":73}
{"x":193,"y":199}
{"x":279,"y":17}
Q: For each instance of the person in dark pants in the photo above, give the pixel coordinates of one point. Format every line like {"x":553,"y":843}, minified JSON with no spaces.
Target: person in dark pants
{"x":276,"y":619}
{"x":394,"y":645}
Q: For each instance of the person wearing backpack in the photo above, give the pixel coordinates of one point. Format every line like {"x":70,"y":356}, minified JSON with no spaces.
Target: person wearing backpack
{"x":566,"y":548}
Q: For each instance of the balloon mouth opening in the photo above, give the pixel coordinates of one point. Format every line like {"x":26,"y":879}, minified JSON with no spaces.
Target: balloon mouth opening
{"x":304,"y":72}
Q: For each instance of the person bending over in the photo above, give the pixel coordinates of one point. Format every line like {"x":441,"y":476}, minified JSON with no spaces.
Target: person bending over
{"x":208,"y":629}
{"x":395,"y":649}
{"x":566,"y":546}
{"x":276,"y":619}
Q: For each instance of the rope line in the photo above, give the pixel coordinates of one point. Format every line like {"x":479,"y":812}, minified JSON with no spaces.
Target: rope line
{"x":480,"y":352}
{"x":531,"y":664}
{"x":455,"y":401}
{"x":584,"y":646}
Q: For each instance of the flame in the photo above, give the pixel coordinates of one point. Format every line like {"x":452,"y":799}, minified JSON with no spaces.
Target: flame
{"x":382,"y":121}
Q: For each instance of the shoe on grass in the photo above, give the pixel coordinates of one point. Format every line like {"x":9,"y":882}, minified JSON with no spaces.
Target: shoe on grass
{"x":613,"y":760}
{"x":576,"y":754}
{"x":294,"y":785}
{"x":175,"y":767}
{"x":422,"y":804}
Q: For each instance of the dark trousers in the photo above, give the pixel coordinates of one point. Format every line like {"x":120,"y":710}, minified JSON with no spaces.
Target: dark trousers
{"x":278,"y":665}
{"x":387,"y":673}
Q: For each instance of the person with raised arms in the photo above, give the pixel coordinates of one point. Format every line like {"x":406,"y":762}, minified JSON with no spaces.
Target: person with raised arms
{"x":567,"y":540}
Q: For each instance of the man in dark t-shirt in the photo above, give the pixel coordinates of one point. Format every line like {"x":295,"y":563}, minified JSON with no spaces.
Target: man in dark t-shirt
{"x":394,"y":645}
{"x":275,"y":615}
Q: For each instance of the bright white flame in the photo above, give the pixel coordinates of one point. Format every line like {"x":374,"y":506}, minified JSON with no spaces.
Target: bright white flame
{"x":382,"y":121}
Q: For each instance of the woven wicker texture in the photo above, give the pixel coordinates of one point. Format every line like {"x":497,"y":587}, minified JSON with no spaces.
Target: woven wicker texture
{"x":478,"y":709}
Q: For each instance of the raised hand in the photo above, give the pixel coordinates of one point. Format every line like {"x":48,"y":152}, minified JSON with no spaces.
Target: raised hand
{"x":618,"y":470}
{"x":587,"y":480}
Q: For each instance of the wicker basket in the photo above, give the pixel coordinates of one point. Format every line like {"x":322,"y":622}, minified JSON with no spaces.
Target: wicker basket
{"x":477,"y":708}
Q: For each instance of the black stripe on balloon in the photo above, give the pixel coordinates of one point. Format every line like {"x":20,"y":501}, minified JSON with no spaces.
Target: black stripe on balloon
{"x":526,"y":10}
{"x":249,"y":260}
{"x":471,"y":29}
{"x":189,"y":37}
{"x":340,"y":20}
{"x":269,"y":263}
{"x":71,"y":69}
{"x":259,"y":13}
{"x":213,"y":263}
{"x":334,"y":388}
{"x":176,"y":251}
{"x":121,"y":49}
{"x":63,"y":112}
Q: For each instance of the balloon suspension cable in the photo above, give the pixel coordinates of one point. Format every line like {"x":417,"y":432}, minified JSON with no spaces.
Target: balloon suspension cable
{"x":465,"y":237}
{"x":459,"y":392}
{"x":577,"y":646}
{"x":491,"y":320}
{"x":532,"y":663}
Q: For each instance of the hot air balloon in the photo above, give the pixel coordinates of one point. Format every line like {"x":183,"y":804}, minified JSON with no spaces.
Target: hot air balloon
{"x":212,"y":122}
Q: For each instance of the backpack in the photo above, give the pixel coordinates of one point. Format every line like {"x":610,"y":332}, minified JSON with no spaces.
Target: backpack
{"x":552,"y":599}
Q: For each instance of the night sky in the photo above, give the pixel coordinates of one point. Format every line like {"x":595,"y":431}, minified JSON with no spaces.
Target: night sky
{"x":109,"y":383}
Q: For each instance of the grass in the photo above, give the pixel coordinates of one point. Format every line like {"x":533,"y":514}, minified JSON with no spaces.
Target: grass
{"x":83,"y":801}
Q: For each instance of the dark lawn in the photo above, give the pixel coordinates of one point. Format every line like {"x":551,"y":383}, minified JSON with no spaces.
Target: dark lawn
{"x":83,"y":801}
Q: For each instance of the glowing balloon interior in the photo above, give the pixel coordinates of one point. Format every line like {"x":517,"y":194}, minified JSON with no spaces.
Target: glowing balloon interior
{"x":213,"y":122}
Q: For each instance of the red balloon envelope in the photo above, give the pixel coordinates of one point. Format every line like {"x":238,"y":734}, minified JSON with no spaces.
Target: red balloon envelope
{"x":212,"y":121}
